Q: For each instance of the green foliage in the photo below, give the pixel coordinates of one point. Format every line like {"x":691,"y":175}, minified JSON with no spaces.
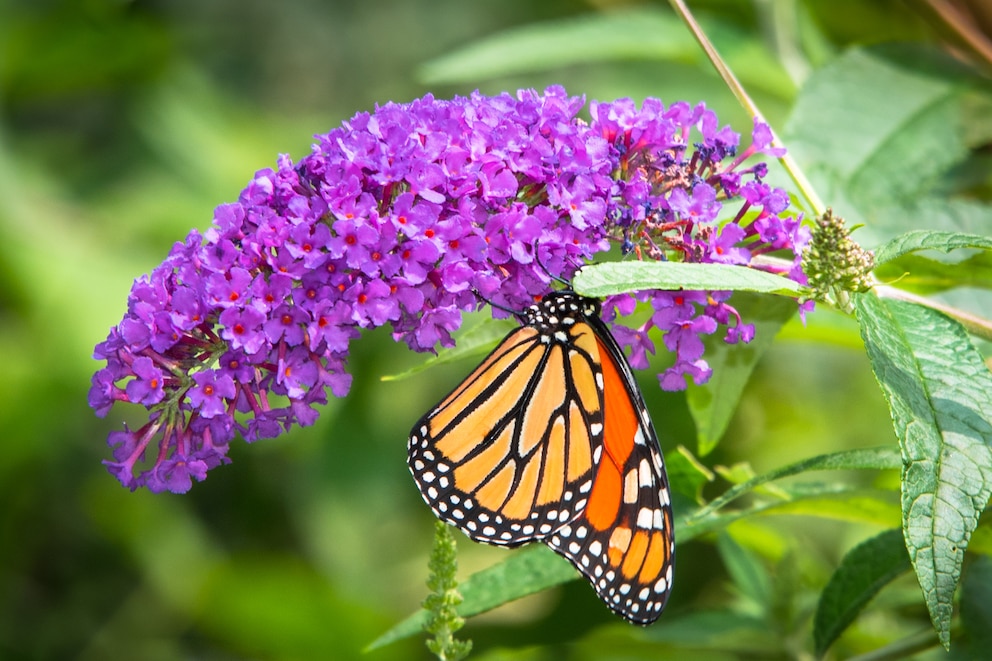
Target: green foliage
{"x":648,"y":34}
{"x":976,"y":606}
{"x":713,"y":405}
{"x":687,"y":475}
{"x":899,"y":263}
{"x":472,"y":341}
{"x":939,"y":392}
{"x":890,"y":156}
{"x":916,"y":240}
{"x":866,"y":569}
{"x":640,"y":34}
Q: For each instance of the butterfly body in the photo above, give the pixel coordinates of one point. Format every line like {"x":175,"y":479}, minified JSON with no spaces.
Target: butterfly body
{"x":549,"y":440}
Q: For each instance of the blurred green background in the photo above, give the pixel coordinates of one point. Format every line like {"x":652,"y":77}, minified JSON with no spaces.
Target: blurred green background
{"x":123,"y":124}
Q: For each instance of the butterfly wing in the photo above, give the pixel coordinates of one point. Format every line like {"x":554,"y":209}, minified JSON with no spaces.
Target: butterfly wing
{"x":549,"y":440}
{"x":623,"y":542}
{"x":508,"y":456}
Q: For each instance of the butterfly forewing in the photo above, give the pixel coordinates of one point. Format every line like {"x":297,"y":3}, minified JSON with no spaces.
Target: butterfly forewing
{"x":549,"y":440}
{"x":508,"y":456}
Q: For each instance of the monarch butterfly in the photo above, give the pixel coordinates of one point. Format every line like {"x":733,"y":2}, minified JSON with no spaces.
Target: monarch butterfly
{"x":549,"y":440}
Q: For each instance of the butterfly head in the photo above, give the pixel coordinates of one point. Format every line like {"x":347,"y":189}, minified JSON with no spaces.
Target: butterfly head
{"x":560,"y":308}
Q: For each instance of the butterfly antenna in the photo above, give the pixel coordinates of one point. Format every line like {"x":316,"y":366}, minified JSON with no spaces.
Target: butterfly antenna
{"x":555,"y":278}
{"x":515,"y":313}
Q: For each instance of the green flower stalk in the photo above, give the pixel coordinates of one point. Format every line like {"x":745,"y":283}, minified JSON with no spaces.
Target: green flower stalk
{"x":835,"y":265}
{"x":442,"y":619}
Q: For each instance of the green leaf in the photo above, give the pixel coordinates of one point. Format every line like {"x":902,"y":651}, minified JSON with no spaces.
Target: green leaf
{"x":939,"y":392}
{"x":981,"y":540}
{"x":976,"y":607}
{"x":476,"y":340}
{"x":879,"y":94}
{"x":839,"y":503}
{"x":686,"y":475}
{"x":872,"y":458}
{"x":598,"y":280}
{"x":639,"y":34}
{"x":928,"y":276}
{"x":929,"y":240}
{"x":739,"y":634}
{"x":712,"y":405}
{"x":311,"y":622}
{"x":748,"y":573}
{"x":621,"y":35}
{"x":806,"y":502}
{"x":524,"y":572}
{"x":865,"y":570}
{"x":880,"y":131}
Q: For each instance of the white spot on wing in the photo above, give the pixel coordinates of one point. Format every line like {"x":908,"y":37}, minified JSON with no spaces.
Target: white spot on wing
{"x":630,"y":488}
{"x":644,"y":470}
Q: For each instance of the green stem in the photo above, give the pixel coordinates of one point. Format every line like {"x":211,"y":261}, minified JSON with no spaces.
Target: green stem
{"x":977,"y":326}
{"x":790,"y":165}
{"x":901,"y":649}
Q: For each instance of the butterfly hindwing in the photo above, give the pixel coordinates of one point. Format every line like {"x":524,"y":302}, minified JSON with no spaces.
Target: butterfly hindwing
{"x":549,"y":440}
{"x":623,"y":542}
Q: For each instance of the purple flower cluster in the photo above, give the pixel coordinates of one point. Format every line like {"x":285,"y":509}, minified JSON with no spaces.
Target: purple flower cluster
{"x":409,"y":216}
{"x":670,"y":198}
